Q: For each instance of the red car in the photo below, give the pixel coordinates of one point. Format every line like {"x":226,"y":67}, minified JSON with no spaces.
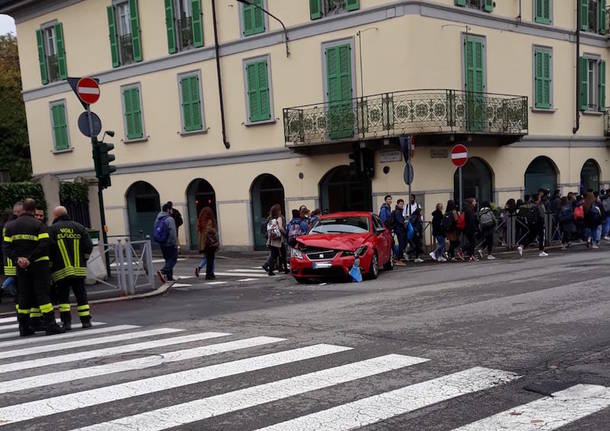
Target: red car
{"x":330,"y":248}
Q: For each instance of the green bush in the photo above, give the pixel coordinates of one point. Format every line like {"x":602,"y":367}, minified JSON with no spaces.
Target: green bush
{"x":73,"y":193}
{"x":14,"y":192}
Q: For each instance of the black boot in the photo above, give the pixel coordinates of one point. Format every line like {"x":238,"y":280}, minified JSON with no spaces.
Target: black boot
{"x":52,"y":326}
{"x":24,"y":325}
{"x":66,"y":320}
{"x":86,"y":321}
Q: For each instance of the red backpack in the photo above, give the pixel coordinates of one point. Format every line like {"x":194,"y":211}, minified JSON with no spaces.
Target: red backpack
{"x":579,"y":213}
{"x":461,"y":223}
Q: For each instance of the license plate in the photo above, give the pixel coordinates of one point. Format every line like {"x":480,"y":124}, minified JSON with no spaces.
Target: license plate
{"x":321,"y":265}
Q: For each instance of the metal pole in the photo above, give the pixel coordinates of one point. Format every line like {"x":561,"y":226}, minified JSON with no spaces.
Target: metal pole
{"x":361,"y":70}
{"x":461,"y":187}
{"x":100,"y":196}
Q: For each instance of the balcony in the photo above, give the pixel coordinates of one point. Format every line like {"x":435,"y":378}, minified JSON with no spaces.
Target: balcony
{"x":53,"y":68}
{"x":126,"y":49}
{"x":437,"y":116}
{"x":185,"y":32}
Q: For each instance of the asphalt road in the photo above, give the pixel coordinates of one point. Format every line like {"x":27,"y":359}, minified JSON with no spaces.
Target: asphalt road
{"x":514,"y":344}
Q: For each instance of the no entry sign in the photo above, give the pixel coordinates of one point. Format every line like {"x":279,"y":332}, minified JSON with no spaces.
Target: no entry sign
{"x":459,"y":155}
{"x":88,"y":91}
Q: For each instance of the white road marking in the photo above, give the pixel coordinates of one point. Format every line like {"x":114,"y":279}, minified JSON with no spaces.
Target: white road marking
{"x":404,"y":400}
{"x":241,"y":274}
{"x":181,"y":414}
{"x":71,"y":334}
{"x":133,"y":364}
{"x":181,"y":285}
{"x":216,"y":283}
{"x":8,"y":320}
{"x":85,"y":343}
{"x":16,"y":326}
{"x":185,"y":277}
{"x":548,"y":413}
{"x":108,"y":351}
{"x":79,"y":400}
{"x":248,"y":270}
{"x":247,"y":279}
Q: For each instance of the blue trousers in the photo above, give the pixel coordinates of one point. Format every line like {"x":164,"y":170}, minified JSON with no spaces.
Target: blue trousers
{"x":170,"y":254}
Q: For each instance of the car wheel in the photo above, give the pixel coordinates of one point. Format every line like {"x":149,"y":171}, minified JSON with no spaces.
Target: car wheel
{"x":300,"y":280}
{"x":374,"y":268}
{"x":389,"y":265}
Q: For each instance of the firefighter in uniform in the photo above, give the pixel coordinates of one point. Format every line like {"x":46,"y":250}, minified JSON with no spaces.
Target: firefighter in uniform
{"x":10,"y":271}
{"x":70,"y":250}
{"x":26,"y":243}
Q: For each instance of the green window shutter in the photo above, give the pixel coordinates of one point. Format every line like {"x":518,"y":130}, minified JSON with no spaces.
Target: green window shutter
{"x":197,"y":23}
{"x":137,"y":111}
{"x":258,"y":91}
{"x":602,"y":16}
{"x":475,"y":69}
{"x":170,"y":24}
{"x":136,"y":40}
{"x":61,"y":51}
{"x":488,"y":6}
{"x":538,"y":79}
{"x":128,"y":112}
{"x":460,"y":3}
{"x":315,"y":9}
{"x":351,"y":5}
{"x":339,"y":73}
{"x":197,"y":120}
{"x":259,"y":17}
{"x":253,"y":18}
{"x":602,"y":85}
{"x":584,"y":14}
{"x":133,"y":113}
{"x":583,"y":84}
{"x":42,"y":58}
{"x":114,"y":46}
{"x":191,"y":104}
{"x":543,"y":11}
{"x":60,"y":129}
{"x":547,"y":64}
{"x":253,"y":94}
{"x":263,"y":90}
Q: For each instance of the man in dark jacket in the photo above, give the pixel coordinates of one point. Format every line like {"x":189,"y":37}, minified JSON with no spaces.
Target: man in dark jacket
{"x":70,"y":250}
{"x":471,"y":227}
{"x":385,"y":212}
{"x":535,"y":226}
{"x":175,"y":214}
{"x":26,"y":243}
{"x":400,"y":230}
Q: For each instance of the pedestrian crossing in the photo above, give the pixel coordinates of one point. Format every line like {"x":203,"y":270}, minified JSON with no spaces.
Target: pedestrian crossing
{"x":167,"y":376}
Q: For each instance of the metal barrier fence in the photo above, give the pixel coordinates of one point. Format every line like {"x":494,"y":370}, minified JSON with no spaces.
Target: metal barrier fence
{"x":131,"y":266}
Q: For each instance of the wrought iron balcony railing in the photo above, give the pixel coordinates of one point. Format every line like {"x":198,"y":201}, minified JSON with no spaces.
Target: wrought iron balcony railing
{"x":407,"y":112}
{"x":53,"y":68}
{"x":126,"y":49}
{"x":185,"y":30}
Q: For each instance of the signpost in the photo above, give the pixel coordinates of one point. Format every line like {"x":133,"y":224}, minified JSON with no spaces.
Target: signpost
{"x":84,"y":124}
{"x":88,"y":90}
{"x":459,"y":157}
{"x":407,"y":147}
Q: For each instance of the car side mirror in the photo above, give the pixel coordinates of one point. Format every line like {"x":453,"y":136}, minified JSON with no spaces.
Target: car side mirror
{"x":380,"y":230}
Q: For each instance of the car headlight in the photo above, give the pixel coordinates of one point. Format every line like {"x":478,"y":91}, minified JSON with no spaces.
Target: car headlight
{"x":361,"y":251}
{"x":296,"y":253}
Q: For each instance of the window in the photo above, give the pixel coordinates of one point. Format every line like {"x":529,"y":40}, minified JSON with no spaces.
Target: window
{"x":190,"y":102}
{"x":258,"y":94}
{"x":184,"y":24}
{"x":320,"y":8}
{"x":593,"y":16}
{"x":59,"y":126}
{"x":132,"y":112}
{"x":543,"y":70}
{"x":253,"y":18}
{"x":124,"y":32}
{"x":592,"y":86}
{"x":51,"y":53}
{"x":485,"y":5}
{"x":542,"y":11}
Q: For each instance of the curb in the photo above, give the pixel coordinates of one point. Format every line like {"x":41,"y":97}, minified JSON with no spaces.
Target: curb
{"x":160,"y":291}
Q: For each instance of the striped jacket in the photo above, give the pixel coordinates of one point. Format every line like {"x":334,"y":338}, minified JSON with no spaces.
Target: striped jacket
{"x":70,"y":249}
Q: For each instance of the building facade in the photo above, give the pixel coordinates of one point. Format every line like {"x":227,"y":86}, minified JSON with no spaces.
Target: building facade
{"x":256,"y":120}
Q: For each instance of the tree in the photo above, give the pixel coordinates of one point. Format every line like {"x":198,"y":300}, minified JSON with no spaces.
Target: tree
{"x":14,"y":145}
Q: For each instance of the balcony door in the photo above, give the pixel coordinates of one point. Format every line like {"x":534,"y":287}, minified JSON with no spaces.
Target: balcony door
{"x":339,"y":91}
{"x":474,"y":82}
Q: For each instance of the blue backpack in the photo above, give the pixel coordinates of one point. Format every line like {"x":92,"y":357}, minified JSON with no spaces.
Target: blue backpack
{"x":161,"y":232}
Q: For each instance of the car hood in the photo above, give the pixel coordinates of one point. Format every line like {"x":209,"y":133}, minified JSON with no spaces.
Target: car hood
{"x":348,"y":241}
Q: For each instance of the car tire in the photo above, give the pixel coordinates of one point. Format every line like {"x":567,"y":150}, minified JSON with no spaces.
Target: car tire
{"x":389,"y":265}
{"x":300,"y":280}
{"x":374,"y":267}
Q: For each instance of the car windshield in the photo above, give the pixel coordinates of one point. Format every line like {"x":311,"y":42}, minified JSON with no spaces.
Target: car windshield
{"x":341,"y":225}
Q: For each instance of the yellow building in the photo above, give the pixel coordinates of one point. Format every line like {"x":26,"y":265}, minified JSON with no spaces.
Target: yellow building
{"x":255,"y":119}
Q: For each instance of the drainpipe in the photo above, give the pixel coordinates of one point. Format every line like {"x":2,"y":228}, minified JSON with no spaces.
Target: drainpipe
{"x":578,"y":18}
{"x":217,"y":51}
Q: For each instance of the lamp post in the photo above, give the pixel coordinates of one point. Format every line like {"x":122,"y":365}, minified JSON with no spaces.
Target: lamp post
{"x":250,"y":3}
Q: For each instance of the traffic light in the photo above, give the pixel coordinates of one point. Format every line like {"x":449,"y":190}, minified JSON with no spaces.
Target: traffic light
{"x":102,"y":159}
{"x":368,"y":162}
{"x":405,"y":147}
{"x":355,"y":164}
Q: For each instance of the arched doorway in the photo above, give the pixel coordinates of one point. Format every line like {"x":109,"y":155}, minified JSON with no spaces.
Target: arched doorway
{"x":477,"y":179}
{"x":339,"y":191}
{"x":540,"y":174}
{"x":143,"y":206}
{"x":199,"y":194}
{"x":589,"y":176}
{"x":266,"y":191}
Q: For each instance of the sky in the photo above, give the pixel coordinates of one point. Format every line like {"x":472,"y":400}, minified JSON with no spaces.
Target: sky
{"x":7,"y":24}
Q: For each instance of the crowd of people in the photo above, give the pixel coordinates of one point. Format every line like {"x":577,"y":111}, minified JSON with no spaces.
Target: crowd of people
{"x":471,"y":233}
{"x":41,"y":264}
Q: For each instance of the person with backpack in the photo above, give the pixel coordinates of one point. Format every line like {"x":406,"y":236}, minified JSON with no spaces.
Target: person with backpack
{"x":470,"y":228}
{"x":579,"y":216}
{"x":592,"y":221}
{"x":535,"y":224}
{"x":400,"y":229}
{"x":566,"y":222}
{"x":166,"y":236}
{"x":449,"y":225}
{"x":385,"y":212}
{"x":208,"y":242}
{"x":295,"y":228}
{"x":415,"y":243}
{"x":487,"y":225}
{"x":605,"y":206}
{"x":275,"y":232}
{"x":283,"y":259}
{"x":439,"y":234}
